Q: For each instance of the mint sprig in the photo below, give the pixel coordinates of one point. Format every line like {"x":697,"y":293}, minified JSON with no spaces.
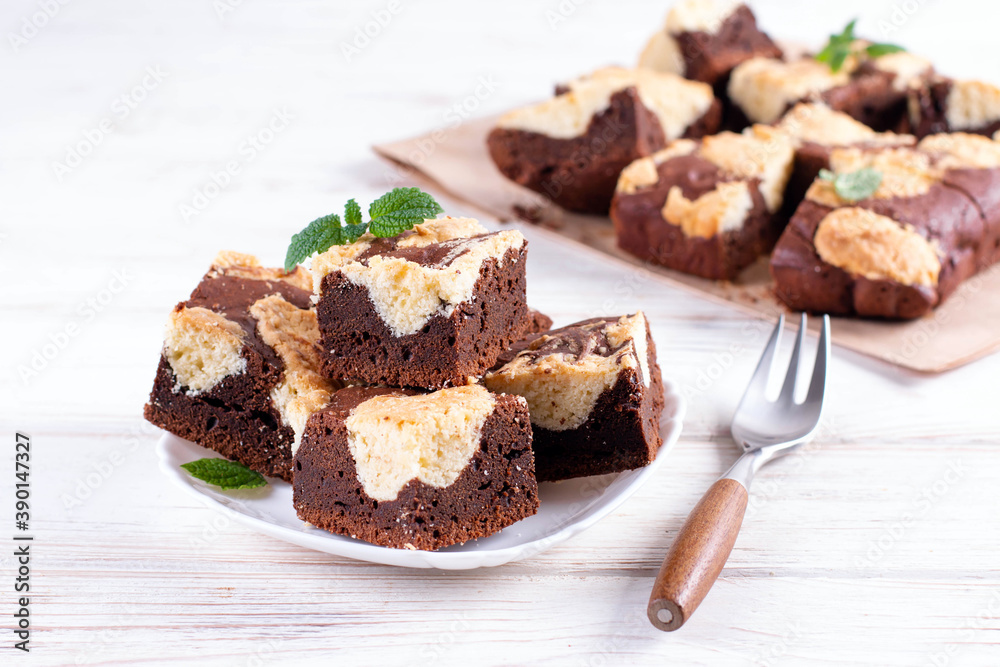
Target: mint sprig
{"x":840,"y":46}
{"x":391,"y":214}
{"x":225,"y":474}
{"x":854,"y":186}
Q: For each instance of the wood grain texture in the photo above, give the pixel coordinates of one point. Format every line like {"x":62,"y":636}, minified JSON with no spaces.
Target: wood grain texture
{"x":697,"y":555}
{"x":890,"y":514}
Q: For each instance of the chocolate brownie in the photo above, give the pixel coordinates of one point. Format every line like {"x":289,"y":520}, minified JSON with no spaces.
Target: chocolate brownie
{"x":708,"y":207}
{"x":572,"y":147}
{"x":932,"y":223}
{"x":704,"y":40}
{"x":238,"y":371}
{"x":949,"y":105}
{"x":404,"y":469}
{"x":429,"y":308}
{"x":595,"y":395}
{"x":816,"y":130}
{"x":870,"y":90}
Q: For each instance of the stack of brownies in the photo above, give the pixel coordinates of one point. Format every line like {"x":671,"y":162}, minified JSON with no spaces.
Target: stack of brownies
{"x":404,"y":387}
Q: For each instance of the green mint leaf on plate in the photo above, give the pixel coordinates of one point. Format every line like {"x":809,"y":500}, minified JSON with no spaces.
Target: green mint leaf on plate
{"x":352,"y":213}
{"x":225,"y":474}
{"x":397,"y":211}
{"x":876,"y":50}
{"x":856,"y":185}
{"x":391,"y":214}
{"x":827,"y":175}
{"x":318,"y":236}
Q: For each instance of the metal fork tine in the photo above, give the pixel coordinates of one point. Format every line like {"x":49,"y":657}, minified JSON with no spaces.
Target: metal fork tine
{"x":817,"y":385}
{"x":787,"y":394}
{"x":758,"y":383}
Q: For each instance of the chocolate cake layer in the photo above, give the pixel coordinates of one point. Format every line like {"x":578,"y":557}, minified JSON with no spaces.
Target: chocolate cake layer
{"x":710,"y":208}
{"x":595,"y":394}
{"x":571,"y":149}
{"x":493,"y":489}
{"x":238,"y":370}
{"x":425,"y":309}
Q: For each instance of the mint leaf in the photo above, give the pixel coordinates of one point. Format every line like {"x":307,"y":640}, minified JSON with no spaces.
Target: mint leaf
{"x":857,"y":185}
{"x":827,"y":175}
{"x":397,"y":211}
{"x":352,"y":213}
{"x":318,"y":236}
{"x":840,"y":46}
{"x":225,"y":474}
{"x":876,"y":50}
{"x":391,"y":214}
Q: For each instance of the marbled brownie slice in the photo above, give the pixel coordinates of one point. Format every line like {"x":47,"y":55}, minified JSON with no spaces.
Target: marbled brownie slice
{"x":572,"y":147}
{"x":932,"y":223}
{"x":704,"y":40}
{"x":414,"y":470}
{"x":239,"y":368}
{"x":950,"y":105}
{"x":816,"y":130}
{"x":595,"y":395}
{"x":708,"y":207}
{"x":872,"y":91}
{"x":429,"y":308}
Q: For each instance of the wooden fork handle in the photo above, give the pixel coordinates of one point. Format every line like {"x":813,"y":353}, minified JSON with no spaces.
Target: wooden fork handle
{"x":697,"y":555}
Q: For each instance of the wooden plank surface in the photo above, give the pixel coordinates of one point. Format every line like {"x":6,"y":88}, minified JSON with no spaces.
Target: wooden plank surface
{"x":876,"y":546}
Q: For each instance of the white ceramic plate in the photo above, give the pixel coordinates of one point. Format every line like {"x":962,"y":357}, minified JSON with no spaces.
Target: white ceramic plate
{"x":567,"y":508}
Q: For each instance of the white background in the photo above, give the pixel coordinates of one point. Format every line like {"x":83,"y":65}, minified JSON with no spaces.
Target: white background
{"x":864,"y":550}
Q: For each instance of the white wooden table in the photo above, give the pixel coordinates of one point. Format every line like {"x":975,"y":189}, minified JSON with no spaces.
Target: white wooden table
{"x":877,"y":546}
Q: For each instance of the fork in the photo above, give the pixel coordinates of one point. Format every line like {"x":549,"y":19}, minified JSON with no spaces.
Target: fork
{"x":765,"y":430}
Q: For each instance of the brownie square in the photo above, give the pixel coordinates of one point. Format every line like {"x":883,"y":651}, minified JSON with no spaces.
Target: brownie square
{"x":595,"y":395}
{"x":710,"y":207}
{"x":405,"y":469}
{"x":704,"y":40}
{"x":239,"y":370}
{"x":872,"y":91}
{"x":900,"y":252}
{"x":816,"y":130}
{"x":572,"y":147}
{"x":429,"y":308}
{"x":950,"y":105}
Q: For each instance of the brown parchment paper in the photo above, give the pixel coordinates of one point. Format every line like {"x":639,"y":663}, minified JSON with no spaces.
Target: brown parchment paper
{"x":965,"y":328}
